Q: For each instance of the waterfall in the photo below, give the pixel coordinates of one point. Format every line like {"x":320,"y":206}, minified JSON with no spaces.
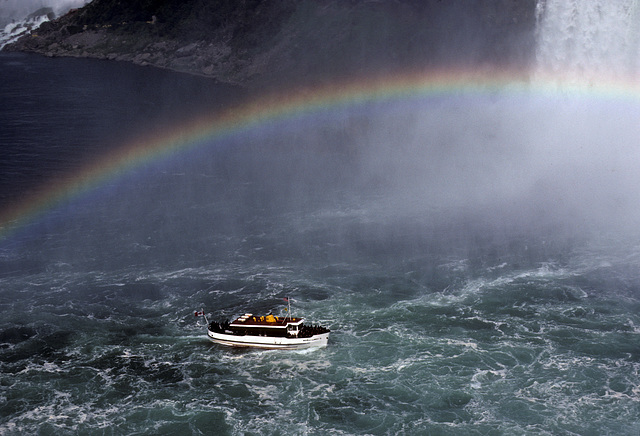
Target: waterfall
{"x":588,"y":39}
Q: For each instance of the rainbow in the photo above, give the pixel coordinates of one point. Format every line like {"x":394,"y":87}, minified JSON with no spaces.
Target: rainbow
{"x":269,"y":109}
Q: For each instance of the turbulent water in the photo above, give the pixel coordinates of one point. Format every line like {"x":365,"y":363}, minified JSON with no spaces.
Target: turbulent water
{"x":552,"y":350}
{"x":474,"y":256}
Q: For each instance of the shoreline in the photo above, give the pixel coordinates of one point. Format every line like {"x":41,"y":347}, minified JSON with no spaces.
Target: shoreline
{"x":199,"y":59}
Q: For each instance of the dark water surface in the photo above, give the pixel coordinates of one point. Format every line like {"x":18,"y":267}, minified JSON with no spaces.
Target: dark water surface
{"x":445,"y":319}
{"x":58,"y":114}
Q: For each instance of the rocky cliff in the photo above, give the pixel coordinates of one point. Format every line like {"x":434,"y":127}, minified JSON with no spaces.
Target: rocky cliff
{"x":260,"y":43}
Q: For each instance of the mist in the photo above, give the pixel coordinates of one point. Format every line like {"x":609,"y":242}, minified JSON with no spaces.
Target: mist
{"x":518,"y":174}
{"x":19,"y":9}
{"x":498,"y":179}
{"x":553,"y":159}
{"x":553,"y":162}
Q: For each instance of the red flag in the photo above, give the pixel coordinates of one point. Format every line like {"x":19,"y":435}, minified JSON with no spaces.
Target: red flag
{"x":286,"y":299}
{"x":199,"y":313}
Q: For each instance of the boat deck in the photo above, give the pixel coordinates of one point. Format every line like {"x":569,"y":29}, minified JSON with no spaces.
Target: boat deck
{"x":249,"y":320}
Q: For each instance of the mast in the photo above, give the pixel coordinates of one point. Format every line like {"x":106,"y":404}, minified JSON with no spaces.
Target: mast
{"x":197,"y":314}
{"x":288,"y":308}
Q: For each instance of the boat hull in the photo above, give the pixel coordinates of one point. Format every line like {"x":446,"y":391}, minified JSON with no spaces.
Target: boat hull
{"x":267,"y":342}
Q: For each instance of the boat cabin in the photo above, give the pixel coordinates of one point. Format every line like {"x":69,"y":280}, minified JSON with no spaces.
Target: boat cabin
{"x":268,"y":325}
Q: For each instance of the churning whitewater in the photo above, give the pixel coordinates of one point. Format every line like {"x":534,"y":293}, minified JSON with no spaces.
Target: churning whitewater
{"x":475,"y":257}
{"x":551,"y":349}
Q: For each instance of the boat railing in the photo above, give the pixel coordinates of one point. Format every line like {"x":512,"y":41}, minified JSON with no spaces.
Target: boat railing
{"x":307,"y":331}
{"x":219,"y":327}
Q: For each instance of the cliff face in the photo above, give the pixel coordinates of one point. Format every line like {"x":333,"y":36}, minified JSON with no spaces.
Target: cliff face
{"x":267,"y":43}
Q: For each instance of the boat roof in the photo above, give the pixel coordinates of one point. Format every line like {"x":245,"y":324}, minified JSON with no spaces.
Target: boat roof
{"x":249,"y":320}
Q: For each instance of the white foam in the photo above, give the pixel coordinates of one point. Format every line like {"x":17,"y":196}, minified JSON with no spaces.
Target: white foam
{"x":46,"y":367}
{"x":589,"y":38}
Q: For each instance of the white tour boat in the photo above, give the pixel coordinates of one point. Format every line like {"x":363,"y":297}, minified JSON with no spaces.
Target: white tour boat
{"x":270,"y":332}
